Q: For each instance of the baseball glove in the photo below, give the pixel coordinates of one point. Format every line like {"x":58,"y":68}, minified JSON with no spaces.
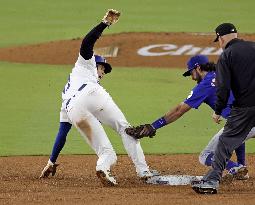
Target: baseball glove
{"x":141,"y":131}
{"x":111,"y":17}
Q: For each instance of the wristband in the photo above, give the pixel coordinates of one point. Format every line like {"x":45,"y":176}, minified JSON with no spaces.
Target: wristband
{"x":161,"y":122}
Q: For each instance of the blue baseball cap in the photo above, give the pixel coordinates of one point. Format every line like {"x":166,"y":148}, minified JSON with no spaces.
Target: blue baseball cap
{"x":194,"y":62}
{"x":102,"y":61}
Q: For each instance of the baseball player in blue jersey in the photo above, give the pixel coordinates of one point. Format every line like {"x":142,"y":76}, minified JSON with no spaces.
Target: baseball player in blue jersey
{"x":87,"y":105}
{"x":202,"y":71}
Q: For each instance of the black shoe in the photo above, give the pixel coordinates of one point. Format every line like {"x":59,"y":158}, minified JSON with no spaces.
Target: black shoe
{"x":206,"y":187}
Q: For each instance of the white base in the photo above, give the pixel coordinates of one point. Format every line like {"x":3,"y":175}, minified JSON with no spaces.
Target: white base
{"x":173,"y":179}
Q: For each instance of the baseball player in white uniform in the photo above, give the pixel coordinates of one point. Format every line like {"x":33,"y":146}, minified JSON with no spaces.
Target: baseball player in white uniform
{"x":87,"y":105}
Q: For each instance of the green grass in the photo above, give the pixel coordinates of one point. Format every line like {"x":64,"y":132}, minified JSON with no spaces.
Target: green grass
{"x":30,"y":103}
{"x":30,"y":94}
{"x":33,"y":21}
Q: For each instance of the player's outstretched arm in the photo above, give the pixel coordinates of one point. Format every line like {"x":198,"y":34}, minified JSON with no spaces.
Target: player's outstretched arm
{"x":175,"y":113}
{"x":171,"y":116}
{"x":149,"y":130}
{"x":110,"y":18}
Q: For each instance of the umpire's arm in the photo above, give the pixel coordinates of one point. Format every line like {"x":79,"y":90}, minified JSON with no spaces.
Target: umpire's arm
{"x":223,"y":84}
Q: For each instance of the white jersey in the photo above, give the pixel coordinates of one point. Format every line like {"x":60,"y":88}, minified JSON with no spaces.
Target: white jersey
{"x":84,"y":71}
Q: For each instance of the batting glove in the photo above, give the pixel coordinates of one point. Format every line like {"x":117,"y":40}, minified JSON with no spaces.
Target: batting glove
{"x":50,"y":168}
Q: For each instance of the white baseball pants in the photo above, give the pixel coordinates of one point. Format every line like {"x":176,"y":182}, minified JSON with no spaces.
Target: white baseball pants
{"x":94,"y":106}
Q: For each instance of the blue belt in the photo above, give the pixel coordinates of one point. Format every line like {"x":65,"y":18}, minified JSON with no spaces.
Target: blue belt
{"x":83,"y":86}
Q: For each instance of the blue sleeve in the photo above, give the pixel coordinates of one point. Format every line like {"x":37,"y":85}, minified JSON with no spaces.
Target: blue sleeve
{"x":225,"y":112}
{"x":64,"y":128}
{"x":197,"y":96}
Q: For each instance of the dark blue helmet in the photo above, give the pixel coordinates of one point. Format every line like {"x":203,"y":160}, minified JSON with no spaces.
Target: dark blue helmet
{"x":102,"y":61}
{"x":194,"y":62}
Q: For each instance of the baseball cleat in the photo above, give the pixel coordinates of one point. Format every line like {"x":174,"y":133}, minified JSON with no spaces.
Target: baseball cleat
{"x":196,"y":181}
{"x":145,"y":175}
{"x":206,"y":187}
{"x":239,"y":172}
{"x":50,"y":168}
{"x":205,"y":190}
{"x":106,"y":178}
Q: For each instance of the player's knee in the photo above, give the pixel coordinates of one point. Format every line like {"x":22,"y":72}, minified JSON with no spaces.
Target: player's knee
{"x":202,"y":158}
{"x":84,"y":126}
{"x":206,"y":157}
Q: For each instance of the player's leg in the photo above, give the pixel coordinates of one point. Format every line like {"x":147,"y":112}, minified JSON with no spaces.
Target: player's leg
{"x":235,"y":170}
{"x":206,"y":156}
{"x":236,"y":130}
{"x":92,"y":131}
{"x":239,"y":124}
{"x":240,"y":154}
{"x":111,"y":115}
{"x":64,"y":128}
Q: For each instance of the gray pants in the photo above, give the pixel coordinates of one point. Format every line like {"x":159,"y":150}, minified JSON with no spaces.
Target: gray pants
{"x":211,"y":146}
{"x":236,"y":131}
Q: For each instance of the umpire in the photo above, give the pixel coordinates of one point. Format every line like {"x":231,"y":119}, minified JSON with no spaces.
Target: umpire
{"x":235,"y":71}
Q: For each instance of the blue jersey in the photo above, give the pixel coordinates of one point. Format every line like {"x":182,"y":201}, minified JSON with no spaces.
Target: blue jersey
{"x":205,"y":92}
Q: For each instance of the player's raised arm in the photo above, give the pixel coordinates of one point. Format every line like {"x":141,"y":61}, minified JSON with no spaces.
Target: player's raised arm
{"x":86,"y":50}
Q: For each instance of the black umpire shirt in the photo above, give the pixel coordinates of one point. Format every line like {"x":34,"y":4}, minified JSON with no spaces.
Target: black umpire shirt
{"x":235,"y":71}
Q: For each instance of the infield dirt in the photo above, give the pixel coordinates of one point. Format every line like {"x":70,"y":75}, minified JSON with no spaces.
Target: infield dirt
{"x":76,"y":181}
{"x":171,"y":50}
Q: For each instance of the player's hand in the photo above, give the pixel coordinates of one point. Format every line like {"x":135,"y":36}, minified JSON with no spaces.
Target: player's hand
{"x":50,"y":168}
{"x":216,"y":118}
{"x":111,"y":17}
{"x":141,"y":131}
